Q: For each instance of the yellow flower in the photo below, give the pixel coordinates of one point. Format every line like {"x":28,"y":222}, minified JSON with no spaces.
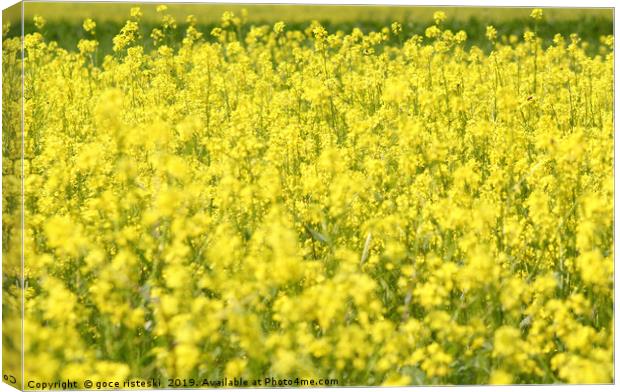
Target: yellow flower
{"x":439,"y":16}
{"x":89,"y":25}
{"x":39,"y":21}
{"x":396,"y":28}
{"x":500,"y":377}
{"x":536,"y":14}
{"x":136,"y":12}
{"x":491,"y":33}
{"x":506,"y":341}
{"x":278,"y":28}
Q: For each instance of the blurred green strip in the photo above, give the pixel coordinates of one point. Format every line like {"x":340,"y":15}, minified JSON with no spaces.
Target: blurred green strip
{"x":210,"y":13}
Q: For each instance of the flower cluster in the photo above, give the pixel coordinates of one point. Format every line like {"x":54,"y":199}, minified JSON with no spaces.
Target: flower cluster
{"x":302,"y":203}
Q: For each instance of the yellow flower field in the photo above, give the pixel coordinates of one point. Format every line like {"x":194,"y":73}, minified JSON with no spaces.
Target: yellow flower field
{"x":371,"y":208}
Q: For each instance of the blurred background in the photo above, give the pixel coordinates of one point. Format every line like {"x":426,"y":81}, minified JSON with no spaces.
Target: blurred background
{"x":64,"y":20}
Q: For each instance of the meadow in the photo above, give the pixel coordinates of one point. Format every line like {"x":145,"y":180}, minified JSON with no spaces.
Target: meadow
{"x":401,"y":202}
